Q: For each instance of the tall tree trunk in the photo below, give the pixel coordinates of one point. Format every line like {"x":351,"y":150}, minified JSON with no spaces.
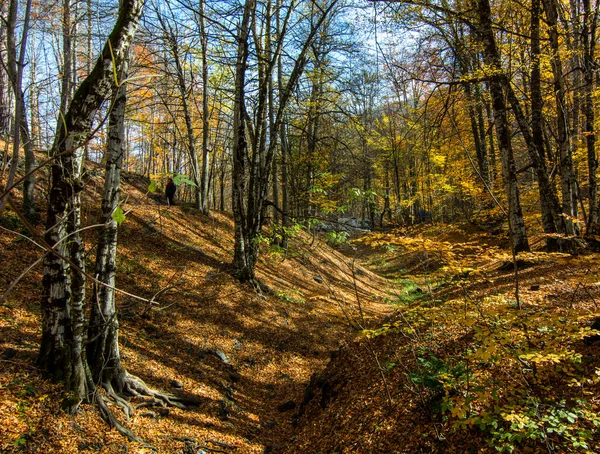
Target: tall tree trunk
{"x":66,"y":77}
{"x":575,"y":68}
{"x":191,"y":140}
{"x":103,"y":355}
{"x":485,"y":159}
{"x":590,"y":18}
{"x":492,"y":60}
{"x":4,"y":83}
{"x":283,"y":145}
{"x":88,"y":50}
{"x":369,"y":205}
{"x":212,"y":182}
{"x":568,"y":181}
{"x":491,"y":141}
{"x":62,"y":352}
{"x":480,"y":145}
{"x":34,"y":96}
{"x":21,"y":136}
{"x":76,"y":16}
{"x":242,"y":260}
{"x":223,"y":168}
{"x":103,"y":348}
{"x":205,"y":112}
{"x":285,"y":183}
{"x":475,"y":108}
{"x":272,"y":111}
{"x":537,"y":128}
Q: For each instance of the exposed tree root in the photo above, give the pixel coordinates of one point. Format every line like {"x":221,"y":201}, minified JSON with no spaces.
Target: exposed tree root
{"x":118,"y":400}
{"x":108,"y":416}
{"x":259,"y":287}
{"x":133,"y":386}
{"x":192,"y":446}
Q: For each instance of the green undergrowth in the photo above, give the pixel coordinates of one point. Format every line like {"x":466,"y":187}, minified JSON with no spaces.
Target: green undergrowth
{"x":519,"y":375}
{"x":10,"y":221}
{"x":409,"y":292}
{"x":522,"y":375}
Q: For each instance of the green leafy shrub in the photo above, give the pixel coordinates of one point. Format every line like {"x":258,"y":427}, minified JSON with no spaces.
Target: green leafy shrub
{"x":337,"y":238}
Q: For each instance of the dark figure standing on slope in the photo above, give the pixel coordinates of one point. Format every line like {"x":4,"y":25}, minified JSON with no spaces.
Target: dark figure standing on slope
{"x":170,"y":191}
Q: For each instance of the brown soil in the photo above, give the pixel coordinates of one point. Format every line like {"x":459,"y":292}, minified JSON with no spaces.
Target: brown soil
{"x":273,"y":343}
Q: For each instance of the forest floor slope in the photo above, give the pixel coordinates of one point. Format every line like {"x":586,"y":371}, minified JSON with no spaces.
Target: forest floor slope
{"x":463,"y":366}
{"x":246,"y":359}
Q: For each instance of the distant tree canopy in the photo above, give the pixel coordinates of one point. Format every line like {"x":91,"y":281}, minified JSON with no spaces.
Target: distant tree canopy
{"x":383,"y":111}
{"x":394,"y":108}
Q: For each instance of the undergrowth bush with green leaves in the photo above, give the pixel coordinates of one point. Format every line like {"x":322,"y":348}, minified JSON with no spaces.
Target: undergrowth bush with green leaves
{"x":504,"y":380}
{"x":11,"y":221}
{"x":334,"y":238}
{"x":409,"y":291}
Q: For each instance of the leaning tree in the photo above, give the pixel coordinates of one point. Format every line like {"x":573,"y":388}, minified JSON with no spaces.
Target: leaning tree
{"x":67,"y":351}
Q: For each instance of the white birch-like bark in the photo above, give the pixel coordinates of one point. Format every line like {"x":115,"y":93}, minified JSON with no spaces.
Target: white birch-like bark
{"x":103,"y":350}
{"x":62,"y":353}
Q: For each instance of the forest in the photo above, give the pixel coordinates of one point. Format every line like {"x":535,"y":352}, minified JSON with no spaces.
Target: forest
{"x":321,"y":226}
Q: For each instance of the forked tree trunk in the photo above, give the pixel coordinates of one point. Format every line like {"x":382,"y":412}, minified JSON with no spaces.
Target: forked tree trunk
{"x":62,"y":352}
{"x":248,"y":204}
{"x":243,"y":260}
{"x":103,"y":354}
{"x":205,"y":113}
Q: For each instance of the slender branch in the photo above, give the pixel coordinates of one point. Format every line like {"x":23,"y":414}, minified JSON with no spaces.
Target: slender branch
{"x":53,"y":251}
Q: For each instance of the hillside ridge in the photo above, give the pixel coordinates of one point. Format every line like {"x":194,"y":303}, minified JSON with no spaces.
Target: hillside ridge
{"x":462,"y":364}
{"x":245,"y":358}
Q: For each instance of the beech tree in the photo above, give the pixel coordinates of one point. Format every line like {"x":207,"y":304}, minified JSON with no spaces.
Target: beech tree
{"x":15,"y":67}
{"x":564,"y":139}
{"x":204,"y":178}
{"x":252,"y":165}
{"x":588,"y":36}
{"x":4,"y":84}
{"x":62,"y":352}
